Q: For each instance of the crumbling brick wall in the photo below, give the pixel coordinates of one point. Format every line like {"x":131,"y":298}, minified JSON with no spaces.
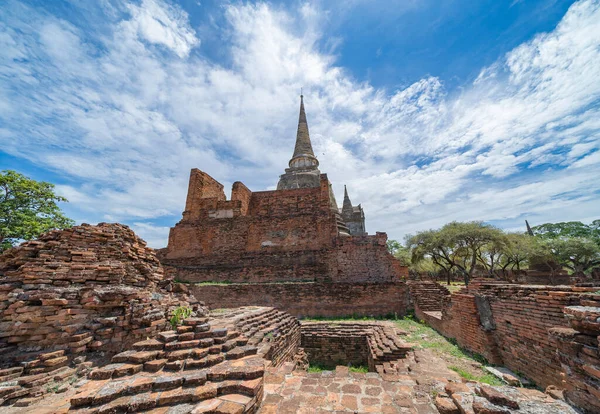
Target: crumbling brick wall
{"x":84,"y":288}
{"x":369,"y":344}
{"x":523,"y":316}
{"x":466,"y":327}
{"x":509,"y":324}
{"x":577,"y":349}
{"x":269,"y":236}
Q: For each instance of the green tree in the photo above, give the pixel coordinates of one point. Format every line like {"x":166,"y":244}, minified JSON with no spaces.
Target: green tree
{"x":456,"y":245}
{"x":567,"y":230}
{"x":519,"y":249}
{"x":430,"y":245}
{"x":492,"y":254}
{"x":28,"y":208}
{"x":403,"y":255}
{"x":393,"y":246}
{"x":577,"y":254}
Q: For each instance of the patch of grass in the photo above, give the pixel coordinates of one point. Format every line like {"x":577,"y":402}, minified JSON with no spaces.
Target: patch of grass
{"x":316,"y":367}
{"x":358,"y":368}
{"x":353,"y":317}
{"x":486,"y":378}
{"x":210,"y":283}
{"x":426,"y":337}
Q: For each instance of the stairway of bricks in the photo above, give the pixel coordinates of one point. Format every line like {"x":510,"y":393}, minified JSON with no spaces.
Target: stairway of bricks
{"x":211,"y":364}
{"x":385,"y":344}
{"x":428,"y":295}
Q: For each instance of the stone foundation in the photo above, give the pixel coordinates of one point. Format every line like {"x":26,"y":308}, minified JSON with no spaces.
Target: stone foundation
{"x":352,"y":343}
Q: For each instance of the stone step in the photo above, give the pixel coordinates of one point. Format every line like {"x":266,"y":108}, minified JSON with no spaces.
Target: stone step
{"x":186,"y":358}
{"x":228,"y":377}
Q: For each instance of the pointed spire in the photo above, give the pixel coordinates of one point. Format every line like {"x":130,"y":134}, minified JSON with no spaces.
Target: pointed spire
{"x":304,"y":166}
{"x":529,"y":231}
{"x":347,"y":206}
{"x":303,"y":146}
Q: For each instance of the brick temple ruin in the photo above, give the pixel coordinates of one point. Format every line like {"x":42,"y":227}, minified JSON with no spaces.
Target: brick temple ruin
{"x":84,"y":328}
{"x":292,"y":248}
{"x":87,"y":318}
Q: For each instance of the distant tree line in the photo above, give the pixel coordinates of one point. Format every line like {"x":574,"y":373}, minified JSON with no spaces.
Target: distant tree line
{"x":467,"y":248}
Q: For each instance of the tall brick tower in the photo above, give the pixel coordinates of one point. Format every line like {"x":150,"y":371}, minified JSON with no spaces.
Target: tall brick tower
{"x":353,"y":216}
{"x":303,"y":171}
{"x":289,"y":248}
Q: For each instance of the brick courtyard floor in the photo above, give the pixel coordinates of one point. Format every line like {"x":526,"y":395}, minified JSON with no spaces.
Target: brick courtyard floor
{"x":390,"y":391}
{"x":405,"y":386}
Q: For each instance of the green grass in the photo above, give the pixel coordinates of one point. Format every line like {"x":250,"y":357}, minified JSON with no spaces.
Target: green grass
{"x":426,"y":337}
{"x":485,"y":378}
{"x":360,"y":368}
{"x":354,"y":317}
{"x":316,"y":367}
{"x":209,"y":283}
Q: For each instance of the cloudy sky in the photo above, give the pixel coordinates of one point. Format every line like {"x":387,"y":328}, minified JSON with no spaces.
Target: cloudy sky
{"x":429,"y":110}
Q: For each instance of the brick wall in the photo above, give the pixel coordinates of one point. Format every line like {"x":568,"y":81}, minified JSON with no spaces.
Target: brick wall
{"x":365,"y":259}
{"x":240,"y":192}
{"x":369,"y":344}
{"x":310,"y":299}
{"x":201,"y":186}
{"x":579,"y":353}
{"x":268,"y":236}
{"x":514,"y":330}
{"x":84,"y":288}
{"x":331,"y":349}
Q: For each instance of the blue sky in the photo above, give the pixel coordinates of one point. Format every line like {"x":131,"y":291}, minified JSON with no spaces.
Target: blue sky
{"x":430,"y":111}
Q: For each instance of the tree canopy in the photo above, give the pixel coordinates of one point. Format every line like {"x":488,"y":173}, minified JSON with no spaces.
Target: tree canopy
{"x":28,"y":208}
{"x":577,"y":254}
{"x":458,"y":246}
{"x":475,"y":246}
{"x":567,"y":230}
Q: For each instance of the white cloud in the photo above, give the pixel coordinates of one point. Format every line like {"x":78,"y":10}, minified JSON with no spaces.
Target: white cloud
{"x":155,"y":236}
{"x":160,"y":23}
{"x":128,"y":120}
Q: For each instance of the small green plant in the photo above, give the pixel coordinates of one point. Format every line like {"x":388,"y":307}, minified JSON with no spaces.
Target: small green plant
{"x":317,"y":368}
{"x":358,"y":368}
{"x":486,"y":378}
{"x":179,"y":315}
